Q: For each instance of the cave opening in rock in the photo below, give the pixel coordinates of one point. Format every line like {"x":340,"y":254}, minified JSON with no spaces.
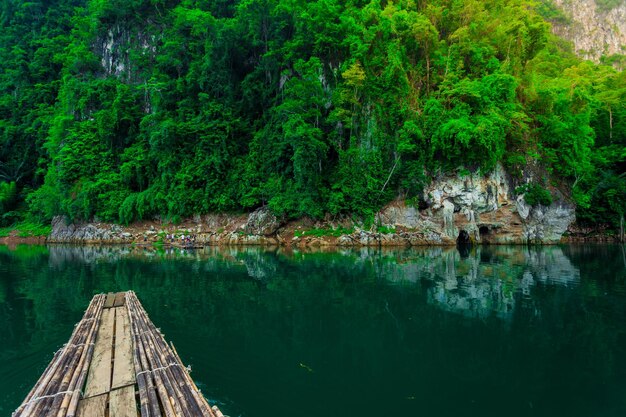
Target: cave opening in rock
{"x":483,"y":232}
{"x":463,"y":238}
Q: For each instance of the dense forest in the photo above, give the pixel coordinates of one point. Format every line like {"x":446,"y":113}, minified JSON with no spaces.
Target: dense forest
{"x":125,"y":110}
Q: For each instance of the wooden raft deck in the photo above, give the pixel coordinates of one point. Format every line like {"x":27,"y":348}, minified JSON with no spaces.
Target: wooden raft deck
{"x":116,"y":364}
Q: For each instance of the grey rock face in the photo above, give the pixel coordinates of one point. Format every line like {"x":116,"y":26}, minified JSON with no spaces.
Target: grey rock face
{"x":262,"y":222}
{"x":593,"y":30}
{"x":404,"y":216}
{"x":546,"y":224}
{"x":482,"y":205}
{"x":62,"y":231}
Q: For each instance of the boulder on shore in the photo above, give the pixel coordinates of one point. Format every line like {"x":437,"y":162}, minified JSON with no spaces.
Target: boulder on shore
{"x":262,"y":222}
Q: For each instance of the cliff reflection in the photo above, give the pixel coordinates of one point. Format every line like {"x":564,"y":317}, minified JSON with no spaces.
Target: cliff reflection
{"x":488,"y":280}
{"x":483,"y":281}
{"x":498,"y":326}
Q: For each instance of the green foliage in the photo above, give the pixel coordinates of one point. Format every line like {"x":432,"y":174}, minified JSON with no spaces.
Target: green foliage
{"x":551,"y":12}
{"x":321,"y":232}
{"x":127,"y":110}
{"x":535,"y":194}
{"x":606,"y":5}
{"x":385,"y":229}
{"x":12,"y":209}
{"x":26,"y":229}
{"x":607,"y":201}
{"x":8,"y":195}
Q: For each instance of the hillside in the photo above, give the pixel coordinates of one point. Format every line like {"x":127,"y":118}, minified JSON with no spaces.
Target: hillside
{"x":597,"y":28}
{"x":136,"y":109}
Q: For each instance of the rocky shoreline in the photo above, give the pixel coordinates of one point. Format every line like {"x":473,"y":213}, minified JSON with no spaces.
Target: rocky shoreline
{"x":472,"y":208}
{"x":154,"y":234}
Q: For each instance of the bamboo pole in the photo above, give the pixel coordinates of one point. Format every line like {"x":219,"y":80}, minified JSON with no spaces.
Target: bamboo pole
{"x":70,"y":406}
{"x":191,"y":393}
{"x":175,"y":396}
{"x":159,"y":361}
{"x":176,"y":372}
{"x":51,"y":384}
{"x":64,"y":380}
{"x":70,"y":379}
{"x":53,"y":362}
{"x":160,"y":384}
{"x":217,"y":411}
{"x":52,"y":390}
{"x":141,"y":382}
{"x":165,"y":385}
{"x":199,"y":398}
{"x":150,"y":394}
{"x":174,"y":385}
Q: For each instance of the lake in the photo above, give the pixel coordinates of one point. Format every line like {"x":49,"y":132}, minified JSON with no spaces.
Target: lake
{"x":487,"y":331}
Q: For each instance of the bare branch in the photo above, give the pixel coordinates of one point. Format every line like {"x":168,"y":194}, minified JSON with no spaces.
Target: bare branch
{"x":390,"y":174}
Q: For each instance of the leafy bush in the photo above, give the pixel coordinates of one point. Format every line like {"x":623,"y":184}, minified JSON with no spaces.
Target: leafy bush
{"x":387,"y":230}
{"x":8,"y":202}
{"x":606,"y":5}
{"x":321,"y":232}
{"x":535,"y":194}
{"x":550,"y":11}
{"x":27,"y":229}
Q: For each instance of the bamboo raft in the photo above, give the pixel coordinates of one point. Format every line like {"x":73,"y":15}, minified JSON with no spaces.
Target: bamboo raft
{"x":116,"y":364}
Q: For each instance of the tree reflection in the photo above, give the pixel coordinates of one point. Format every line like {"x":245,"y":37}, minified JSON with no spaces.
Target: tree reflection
{"x":502,"y":328}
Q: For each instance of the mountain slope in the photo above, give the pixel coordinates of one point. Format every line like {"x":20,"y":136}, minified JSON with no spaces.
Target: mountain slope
{"x":126,"y":110}
{"x":596,"y":27}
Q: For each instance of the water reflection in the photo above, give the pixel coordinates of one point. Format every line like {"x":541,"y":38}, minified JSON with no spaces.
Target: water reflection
{"x":476,"y":281}
{"x":491,"y":280}
{"x":495,"y":328}
{"x":481,"y":282}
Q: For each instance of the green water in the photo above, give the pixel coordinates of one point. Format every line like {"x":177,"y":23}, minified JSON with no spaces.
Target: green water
{"x":496,"y":331}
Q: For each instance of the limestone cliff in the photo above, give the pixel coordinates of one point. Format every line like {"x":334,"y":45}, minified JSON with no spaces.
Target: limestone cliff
{"x":596,"y":27}
{"x":481,"y":208}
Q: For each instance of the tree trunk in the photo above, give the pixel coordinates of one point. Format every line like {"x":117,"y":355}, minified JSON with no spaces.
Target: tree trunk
{"x":610,"y":124}
{"x":428,"y":72}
